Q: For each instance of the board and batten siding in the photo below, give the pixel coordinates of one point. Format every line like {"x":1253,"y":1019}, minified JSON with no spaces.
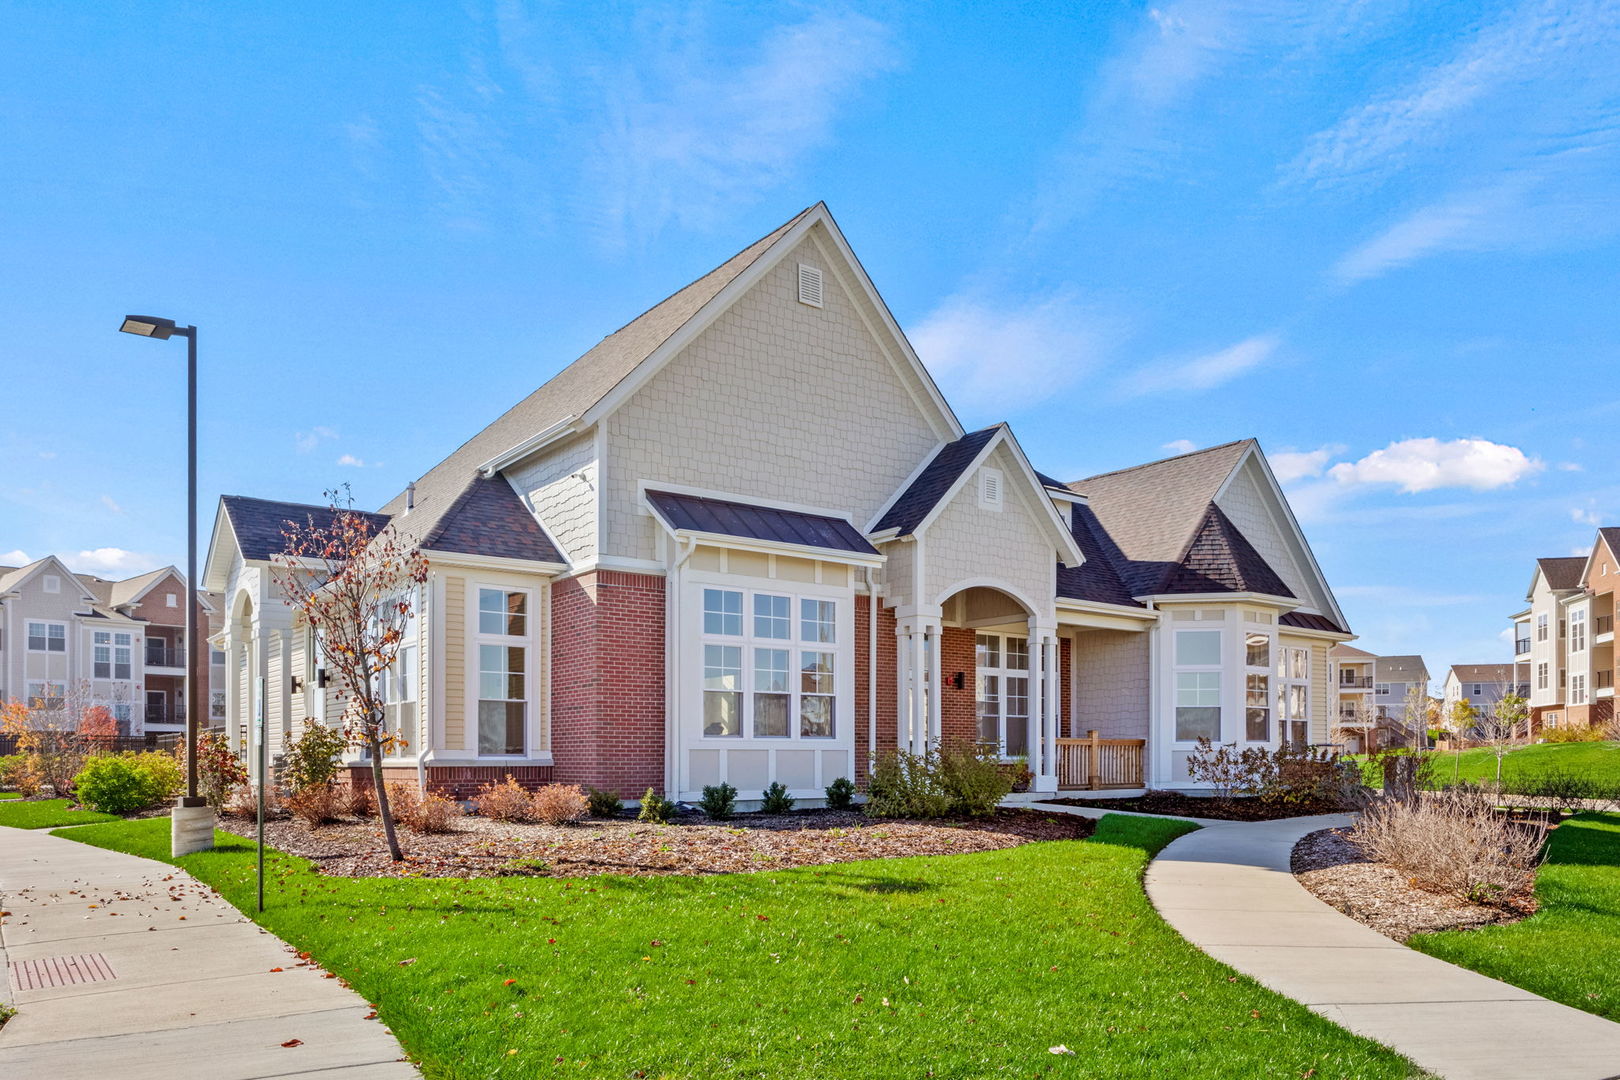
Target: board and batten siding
{"x":455,"y":662}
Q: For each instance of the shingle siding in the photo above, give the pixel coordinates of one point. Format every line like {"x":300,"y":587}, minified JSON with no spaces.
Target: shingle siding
{"x":561,"y":486}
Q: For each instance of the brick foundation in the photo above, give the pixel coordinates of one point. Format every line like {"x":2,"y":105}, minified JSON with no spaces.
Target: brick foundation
{"x":456,"y":781}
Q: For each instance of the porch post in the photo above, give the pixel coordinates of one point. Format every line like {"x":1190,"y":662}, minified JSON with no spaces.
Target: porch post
{"x":919,"y":689}
{"x":935,"y":714}
{"x":902,"y":688}
{"x":1054,"y":702}
{"x":1042,"y":761}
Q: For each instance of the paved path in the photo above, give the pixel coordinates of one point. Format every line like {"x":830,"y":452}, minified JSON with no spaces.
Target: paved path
{"x":1227,"y":888}
{"x":193,"y":994}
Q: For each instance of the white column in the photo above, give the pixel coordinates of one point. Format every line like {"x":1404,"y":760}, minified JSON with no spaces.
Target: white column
{"x":919,"y":693}
{"x":1054,"y":702}
{"x":935,"y":685}
{"x":1042,"y":707}
{"x":902,"y":686}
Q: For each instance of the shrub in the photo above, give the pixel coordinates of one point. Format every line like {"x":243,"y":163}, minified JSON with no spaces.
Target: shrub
{"x":219,"y":770}
{"x":1453,"y":842}
{"x":604,"y":803}
{"x":506,"y":801}
{"x":973,"y":778}
{"x":1573,"y":734}
{"x":421,"y":813}
{"x":243,"y":802}
{"x":655,"y":808}
{"x":841,"y":794}
{"x":125,"y":783}
{"x":1299,"y":777}
{"x":905,"y":785}
{"x":719,"y":801}
{"x":361,"y":800}
{"x":312,"y":758}
{"x":167,"y":776}
{"x":317,"y":804}
{"x":561,"y":804}
{"x":403,"y":800}
{"x":12,"y":767}
{"x":776,"y":799}
{"x":1560,"y":789}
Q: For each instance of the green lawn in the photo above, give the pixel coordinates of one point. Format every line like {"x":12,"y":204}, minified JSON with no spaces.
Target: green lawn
{"x":1566,"y":950}
{"x":9,"y":795}
{"x":1599,"y":761}
{"x":957,"y":966}
{"x":51,"y":814}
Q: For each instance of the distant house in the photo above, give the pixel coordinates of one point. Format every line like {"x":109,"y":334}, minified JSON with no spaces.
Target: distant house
{"x":1482,"y":685}
{"x":87,"y":640}
{"x":745,"y":539}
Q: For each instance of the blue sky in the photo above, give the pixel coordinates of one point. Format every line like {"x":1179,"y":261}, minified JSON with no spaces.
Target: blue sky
{"x":1381,"y":237}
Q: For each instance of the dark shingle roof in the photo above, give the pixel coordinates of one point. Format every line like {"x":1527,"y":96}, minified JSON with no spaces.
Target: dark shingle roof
{"x":260,"y":523}
{"x":758,"y":522}
{"x":489,"y":519}
{"x":1307,"y":621}
{"x":1219,"y":558}
{"x":1565,"y":572}
{"x":934,"y":481}
{"x":1095,"y":579}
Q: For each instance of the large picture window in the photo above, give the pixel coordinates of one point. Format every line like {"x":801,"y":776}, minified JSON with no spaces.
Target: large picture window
{"x":770,"y":675}
{"x":1001,"y":692}
{"x":503,"y":672}
{"x":1198,"y":685}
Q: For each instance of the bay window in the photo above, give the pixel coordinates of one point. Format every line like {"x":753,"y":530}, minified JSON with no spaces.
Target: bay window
{"x":503,"y":672}
{"x":768,"y":676}
{"x":1257,"y":688}
{"x":1198,"y":685}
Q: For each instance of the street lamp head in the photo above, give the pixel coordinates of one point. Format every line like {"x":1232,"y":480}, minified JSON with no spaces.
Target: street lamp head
{"x":147,"y":326}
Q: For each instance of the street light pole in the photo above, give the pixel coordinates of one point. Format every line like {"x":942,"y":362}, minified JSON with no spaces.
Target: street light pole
{"x":192,"y":827}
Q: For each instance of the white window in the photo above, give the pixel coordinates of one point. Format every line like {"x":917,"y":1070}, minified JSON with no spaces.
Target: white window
{"x":216,"y":657}
{"x":111,"y":655}
{"x":503,"y":672}
{"x":990,"y":492}
{"x":1381,"y":689}
{"x":773,"y":675}
{"x":52,"y":583}
{"x":1001,"y":692}
{"x":123,"y":713}
{"x":1577,"y":689}
{"x":1198,"y":685}
{"x":47,"y":637}
{"x":1541,"y":628}
{"x":1257,"y":687}
{"x":1476,"y":691}
{"x":47,"y":695}
{"x":399,"y":695}
{"x":171,"y":600}
{"x":102,"y":654}
{"x":1577,"y":632}
{"x":1541,"y":676}
{"x":1294,"y":694}
{"x":216,"y":704}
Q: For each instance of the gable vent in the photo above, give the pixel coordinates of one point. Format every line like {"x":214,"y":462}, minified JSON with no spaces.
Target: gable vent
{"x":990,"y":489}
{"x":810,"y":285}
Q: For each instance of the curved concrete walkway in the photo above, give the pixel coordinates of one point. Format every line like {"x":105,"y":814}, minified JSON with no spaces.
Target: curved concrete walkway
{"x":1228,"y":889}
{"x":197,"y":991}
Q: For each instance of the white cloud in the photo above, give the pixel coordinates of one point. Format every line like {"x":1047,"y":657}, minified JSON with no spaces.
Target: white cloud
{"x":1180,"y":446}
{"x":1570,"y":466}
{"x":112,"y":562}
{"x":690,"y":134}
{"x":107,"y":501}
{"x":1585,"y":516}
{"x":351,"y":461}
{"x":1291,"y":465}
{"x":1470,"y":222}
{"x":307,"y":441}
{"x":1004,"y":356}
{"x":1202,"y":372}
{"x":15,"y":557}
{"x":1415,"y":465}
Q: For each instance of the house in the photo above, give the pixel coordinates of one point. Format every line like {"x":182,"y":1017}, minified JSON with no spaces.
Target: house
{"x":1554,"y":586}
{"x":1482,"y":685}
{"x":745,"y":539}
{"x":1588,"y":616}
{"x":1355,"y":721}
{"x":73,"y":640}
{"x":1397,"y":681}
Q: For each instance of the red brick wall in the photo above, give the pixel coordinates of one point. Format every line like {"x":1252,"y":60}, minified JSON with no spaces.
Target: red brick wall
{"x":169,"y":624}
{"x":958,"y":714}
{"x":1066,"y":675}
{"x":607,"y":681}
{"x":455,"y":781}
{"x":886,"y":670}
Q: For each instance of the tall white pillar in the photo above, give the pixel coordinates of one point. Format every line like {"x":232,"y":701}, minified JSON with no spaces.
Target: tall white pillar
{"x":935,"y":684}
{"x":919,"y":690}
{"x":1054,"y":703}
{"x":902,"y":686}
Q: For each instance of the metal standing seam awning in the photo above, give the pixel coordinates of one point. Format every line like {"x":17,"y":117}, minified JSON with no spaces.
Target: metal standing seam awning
{"x":766,"y":524}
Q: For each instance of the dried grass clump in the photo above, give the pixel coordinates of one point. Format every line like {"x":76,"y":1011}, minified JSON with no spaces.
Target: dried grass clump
{"x":505,"y":801}
{"x":318,"y":804}
{"x":560,"y":804}
{"x":1453,"y":842}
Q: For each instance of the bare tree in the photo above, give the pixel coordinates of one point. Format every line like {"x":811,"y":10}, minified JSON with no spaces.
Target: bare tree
{"x":356,"y":588}
{"x":1500,"y":727}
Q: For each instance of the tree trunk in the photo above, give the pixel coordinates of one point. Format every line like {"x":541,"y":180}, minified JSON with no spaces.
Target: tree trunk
{"x":386,"y":813}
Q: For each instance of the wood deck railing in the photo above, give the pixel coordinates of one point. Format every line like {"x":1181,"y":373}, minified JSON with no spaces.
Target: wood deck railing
{"x":1095,"y":762}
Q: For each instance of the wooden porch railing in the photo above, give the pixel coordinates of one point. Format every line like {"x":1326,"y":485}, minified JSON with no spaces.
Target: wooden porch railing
{"x":1095,"y":762}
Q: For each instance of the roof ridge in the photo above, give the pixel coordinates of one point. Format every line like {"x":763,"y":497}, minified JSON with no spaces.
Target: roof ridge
{"x":1163,"y":461}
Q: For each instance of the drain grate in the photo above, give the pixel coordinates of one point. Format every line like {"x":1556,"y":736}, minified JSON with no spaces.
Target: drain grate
{"x":60,"y":971}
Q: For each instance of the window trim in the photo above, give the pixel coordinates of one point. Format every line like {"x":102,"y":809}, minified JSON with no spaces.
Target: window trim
{"x":476,"y":639}
{"x":1002,"y":671}
{"x":1177,"y":669}
{"x":28,"y":635}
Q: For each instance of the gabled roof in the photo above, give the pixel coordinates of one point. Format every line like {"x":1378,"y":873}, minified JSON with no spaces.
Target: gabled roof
{"x":1342,"y":651}
{"x":17,"y":575}
{"x":489,"y":519}
{"x":1483,"y":673}
{"x":1400,"y":669}
{"x":1219,"y":558}
{"x":936,"y":480}
{"x":1094,"y":580}
{"x":259,"y":524}
{"x":130,"y":590}
{"x":1564,"y":572}
{"x":699,"y":514}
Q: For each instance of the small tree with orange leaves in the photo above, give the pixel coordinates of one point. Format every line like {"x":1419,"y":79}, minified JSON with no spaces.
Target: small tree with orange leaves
{"x":356,"y":587}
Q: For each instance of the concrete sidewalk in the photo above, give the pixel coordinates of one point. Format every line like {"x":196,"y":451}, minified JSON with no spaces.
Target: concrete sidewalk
{"x":195,"y":990}
{"x":1228,"y":889}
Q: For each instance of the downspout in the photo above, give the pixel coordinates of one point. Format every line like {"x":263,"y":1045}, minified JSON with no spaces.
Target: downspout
{"x":871,"y":670}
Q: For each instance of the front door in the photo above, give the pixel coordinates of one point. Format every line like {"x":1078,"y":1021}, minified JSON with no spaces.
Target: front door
{"x":1001,"y":692}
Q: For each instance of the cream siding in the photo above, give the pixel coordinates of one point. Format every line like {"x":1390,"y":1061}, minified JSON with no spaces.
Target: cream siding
{"x":455,"y":662}
{"x":560,"y":487}
{"x":1110,"y":692}
{"x":775,"y":400}
{"x":968,"y":542}
{"x":1258,"y":517}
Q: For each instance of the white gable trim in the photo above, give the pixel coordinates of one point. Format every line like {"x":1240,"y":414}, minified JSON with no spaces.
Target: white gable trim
{"x":35,"y":568}
{"x":1304,"y":558}
{"x":533,"y":444}
{"x":943,"y":419}
{"x":1068,"y":551}
{"x":1586,"y":567}
{"x":215,"y":575}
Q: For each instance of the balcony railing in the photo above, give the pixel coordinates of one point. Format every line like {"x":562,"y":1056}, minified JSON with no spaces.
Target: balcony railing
{"x":1603,"y":624}
{"x":1355,"y":682}
{"x":161,"y":714}
{"x":161,"y":656}
{"x":1521,"y":646}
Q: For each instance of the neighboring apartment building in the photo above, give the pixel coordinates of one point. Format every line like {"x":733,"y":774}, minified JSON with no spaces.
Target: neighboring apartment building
{"x":1543,"y":650}
{"x":1589,"y":652}
{"x":745,"y":539}
{"x":1394,"y":679}
{"x":71,"y":639}
{"x":1483,"y":685}
{"x":1350,"y":671}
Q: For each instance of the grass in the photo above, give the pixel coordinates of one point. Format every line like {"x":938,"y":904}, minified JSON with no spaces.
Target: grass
{"x":1599,"y":761}
{"x":1566,"y":950}
{"x":954,"y":966}
{"x":52,"y":814}
{"x":4,"y":795}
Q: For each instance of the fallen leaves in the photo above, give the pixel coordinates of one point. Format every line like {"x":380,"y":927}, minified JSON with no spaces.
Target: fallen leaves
{"x":290,"y":1043}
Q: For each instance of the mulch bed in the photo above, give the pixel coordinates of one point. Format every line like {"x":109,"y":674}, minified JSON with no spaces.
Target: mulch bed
{"x":479,"y":847}
{"x":1176,"y":804}
{"x":1337,"y":873}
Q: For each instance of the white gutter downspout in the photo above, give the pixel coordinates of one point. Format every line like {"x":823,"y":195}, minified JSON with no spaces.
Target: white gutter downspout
{"x":871,"y":670}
